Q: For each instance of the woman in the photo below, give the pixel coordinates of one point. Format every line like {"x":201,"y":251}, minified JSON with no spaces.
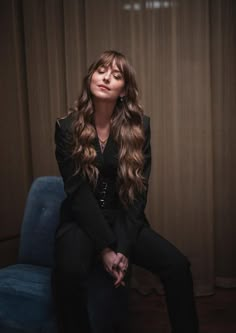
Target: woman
{"x":104,"y":156}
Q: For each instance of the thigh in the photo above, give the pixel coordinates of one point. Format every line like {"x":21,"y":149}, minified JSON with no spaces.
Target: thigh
{"x":154,"y":253}
{"x":74,"y":251}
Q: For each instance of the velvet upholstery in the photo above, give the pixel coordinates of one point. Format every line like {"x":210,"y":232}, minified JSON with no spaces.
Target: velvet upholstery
{"x":25,"y":298}
{"x":26,"y":303}
{"x":41,"y":218}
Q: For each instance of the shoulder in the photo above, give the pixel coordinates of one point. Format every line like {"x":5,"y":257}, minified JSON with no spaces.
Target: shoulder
{"x":63,"y":134}
{"x":65,"y":123}
{"x":146,"y":122}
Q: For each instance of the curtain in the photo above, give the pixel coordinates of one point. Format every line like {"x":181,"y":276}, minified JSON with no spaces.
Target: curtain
{"x":183,"y":52}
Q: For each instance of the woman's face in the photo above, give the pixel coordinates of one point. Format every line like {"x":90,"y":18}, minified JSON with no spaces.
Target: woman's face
{"x":107,"y":83}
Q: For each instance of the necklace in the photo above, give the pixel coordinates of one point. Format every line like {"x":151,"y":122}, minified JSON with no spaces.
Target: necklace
{"x":102,"y":144}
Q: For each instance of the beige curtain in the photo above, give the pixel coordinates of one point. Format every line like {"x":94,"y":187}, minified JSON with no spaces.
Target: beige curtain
{"x":183,"y":52}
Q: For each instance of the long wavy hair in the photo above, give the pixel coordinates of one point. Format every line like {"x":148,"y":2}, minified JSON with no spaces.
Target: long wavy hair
{"x":125,"y":127}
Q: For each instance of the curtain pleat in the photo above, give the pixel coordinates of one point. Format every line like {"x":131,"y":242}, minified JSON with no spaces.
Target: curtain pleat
{"x":45,"y":77}
{"x":223,"y":79}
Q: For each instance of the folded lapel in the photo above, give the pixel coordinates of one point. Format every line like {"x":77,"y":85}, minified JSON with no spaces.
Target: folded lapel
{"x":110,"y":153}
{"x":99,"y":157}
{"x":109,"y":157}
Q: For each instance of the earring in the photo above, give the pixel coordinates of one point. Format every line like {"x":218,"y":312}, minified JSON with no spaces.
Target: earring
{"x":122,"y":99}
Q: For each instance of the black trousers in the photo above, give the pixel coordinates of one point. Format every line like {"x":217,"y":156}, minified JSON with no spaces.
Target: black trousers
{"x":75,"y":257}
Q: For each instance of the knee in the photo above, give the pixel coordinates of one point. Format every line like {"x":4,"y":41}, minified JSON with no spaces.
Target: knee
{"x":182,"y":263}
{"x":68,"y":267}
{"x":179,"y":266}
{"x":70,"y":261}
{"x":66,"y":281}
{"x":73,"y":271}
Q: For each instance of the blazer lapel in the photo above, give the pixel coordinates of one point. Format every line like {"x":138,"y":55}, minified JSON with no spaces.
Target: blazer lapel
{"x":109,"y":157}
{"x":99,"y":157}
{"x":110,"y":153}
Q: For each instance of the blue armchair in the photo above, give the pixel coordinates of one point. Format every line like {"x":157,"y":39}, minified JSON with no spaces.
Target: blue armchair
{"x":26,"y":304}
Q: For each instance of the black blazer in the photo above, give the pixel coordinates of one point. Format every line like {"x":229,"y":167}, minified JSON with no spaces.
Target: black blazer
{"x":118,"y":229}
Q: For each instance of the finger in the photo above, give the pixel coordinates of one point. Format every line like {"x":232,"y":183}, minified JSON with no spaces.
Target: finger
{"x":115,"y":274}
{"x":122,"y":257}
{"x":122,"y":283}
{"x":119,"y":281}
{"x":117,"y":260}
{"x":119,"y":255}
{"x":115,"y":266}
{"x":121,"y":266}
{"x":119,"y":278}
{"x":126,"y":262}
{"x":112,"y":270}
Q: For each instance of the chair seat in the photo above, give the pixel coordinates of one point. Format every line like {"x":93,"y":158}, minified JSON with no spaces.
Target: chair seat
{"x":25,"y":293}
{"x":26,"y":304}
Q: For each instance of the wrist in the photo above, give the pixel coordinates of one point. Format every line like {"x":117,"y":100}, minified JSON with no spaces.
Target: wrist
{"x":104,"y":251}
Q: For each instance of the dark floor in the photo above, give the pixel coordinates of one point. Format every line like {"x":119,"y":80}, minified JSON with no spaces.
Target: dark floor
{"x":217,"y":313}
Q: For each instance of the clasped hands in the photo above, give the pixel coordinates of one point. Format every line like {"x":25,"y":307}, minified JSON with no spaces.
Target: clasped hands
{"x":116,"y":264}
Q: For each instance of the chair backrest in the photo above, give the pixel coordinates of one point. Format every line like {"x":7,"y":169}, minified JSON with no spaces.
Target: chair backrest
{"x":41,"y":218}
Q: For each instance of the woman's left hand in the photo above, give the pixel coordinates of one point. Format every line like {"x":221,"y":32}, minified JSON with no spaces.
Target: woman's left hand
{"x":121,"y":262}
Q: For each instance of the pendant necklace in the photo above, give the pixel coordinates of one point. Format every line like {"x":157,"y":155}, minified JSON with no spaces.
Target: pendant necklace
{"x":102,"y":144}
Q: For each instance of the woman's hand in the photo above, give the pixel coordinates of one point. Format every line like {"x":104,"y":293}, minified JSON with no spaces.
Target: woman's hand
{"x":110,"y":260}
{"x":122,"y":262}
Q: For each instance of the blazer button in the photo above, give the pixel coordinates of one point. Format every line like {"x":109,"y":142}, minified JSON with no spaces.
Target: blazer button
{"x":102,"y":203}
{"x":103,"y":194}
{"x":104,"y":185}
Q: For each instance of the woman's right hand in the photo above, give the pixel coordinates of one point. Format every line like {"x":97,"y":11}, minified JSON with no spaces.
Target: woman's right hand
{"x":109,"y":259}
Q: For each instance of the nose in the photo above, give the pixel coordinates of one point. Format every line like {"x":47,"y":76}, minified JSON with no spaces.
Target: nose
{"x":107,"y":76}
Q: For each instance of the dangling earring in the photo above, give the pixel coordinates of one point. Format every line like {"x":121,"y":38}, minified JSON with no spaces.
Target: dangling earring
{"x":122,"y":99}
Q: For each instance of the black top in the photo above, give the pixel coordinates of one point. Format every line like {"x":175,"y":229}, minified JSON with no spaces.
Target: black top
{"x":99,"y":211}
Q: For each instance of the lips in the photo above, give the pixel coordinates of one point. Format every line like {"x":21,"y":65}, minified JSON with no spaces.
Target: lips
{"x":104,"y":87}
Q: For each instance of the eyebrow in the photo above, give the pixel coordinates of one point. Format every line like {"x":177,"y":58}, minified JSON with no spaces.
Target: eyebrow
{"x":116,"y":69}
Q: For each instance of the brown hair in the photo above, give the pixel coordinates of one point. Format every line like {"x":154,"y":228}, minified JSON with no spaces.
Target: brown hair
{"x":126,"y":129}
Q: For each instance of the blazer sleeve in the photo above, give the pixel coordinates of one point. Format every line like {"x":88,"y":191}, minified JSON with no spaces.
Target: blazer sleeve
{"x":84,"y":207}
{"x":134,"y":216}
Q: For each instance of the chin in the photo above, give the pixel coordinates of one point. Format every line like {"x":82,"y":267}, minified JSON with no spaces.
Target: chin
{"x":104,"y":98}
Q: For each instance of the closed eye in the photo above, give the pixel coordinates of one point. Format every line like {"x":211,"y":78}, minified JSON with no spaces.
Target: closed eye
{"x":117,"y":76}
{"x":101,"y":70}
{"x":116,"y":73}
